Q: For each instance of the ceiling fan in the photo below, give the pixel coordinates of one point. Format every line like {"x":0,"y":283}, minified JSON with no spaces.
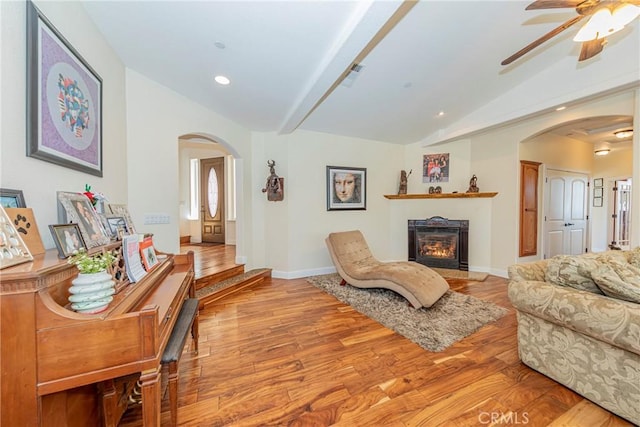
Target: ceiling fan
{"x":605,"y":18}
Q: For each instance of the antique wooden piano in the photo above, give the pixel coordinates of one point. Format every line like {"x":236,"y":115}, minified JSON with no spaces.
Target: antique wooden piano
{"x":62,"y":368}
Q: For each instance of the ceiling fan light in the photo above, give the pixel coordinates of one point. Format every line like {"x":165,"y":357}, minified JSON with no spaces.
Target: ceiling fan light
{"x":625,"y":14}
{"x":599,"y":26}
{"x":602,"y":152}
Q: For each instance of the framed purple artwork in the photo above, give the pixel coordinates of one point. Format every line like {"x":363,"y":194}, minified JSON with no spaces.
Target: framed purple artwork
{"x":64,"y":100}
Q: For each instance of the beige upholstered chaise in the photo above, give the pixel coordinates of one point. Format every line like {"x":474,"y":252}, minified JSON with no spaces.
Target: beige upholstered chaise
{"x":420,"y":285}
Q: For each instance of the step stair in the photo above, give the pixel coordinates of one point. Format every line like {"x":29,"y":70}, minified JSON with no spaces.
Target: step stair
{"x":211,"y":290}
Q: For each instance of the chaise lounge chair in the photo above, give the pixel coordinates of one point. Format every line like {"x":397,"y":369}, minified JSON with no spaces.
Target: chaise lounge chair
{"x":419,"y":284}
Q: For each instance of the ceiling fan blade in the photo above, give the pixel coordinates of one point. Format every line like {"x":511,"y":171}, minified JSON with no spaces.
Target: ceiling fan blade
{"x":553,"y":4}
{"x":542,"y":39}
{"x":591,"y":49}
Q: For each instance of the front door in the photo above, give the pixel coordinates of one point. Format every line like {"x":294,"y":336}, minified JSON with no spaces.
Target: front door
{"x":565,"y":224}
{"x":212,"y":200}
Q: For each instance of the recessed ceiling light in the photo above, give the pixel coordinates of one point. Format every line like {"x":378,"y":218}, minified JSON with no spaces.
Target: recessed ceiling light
{"x":219,"y":45}
{"x":222,"y":80}
{"x":564,"y":107}
{"x":441,"y":113}
{"x":626,"y":133}
{"x":602,"y":152}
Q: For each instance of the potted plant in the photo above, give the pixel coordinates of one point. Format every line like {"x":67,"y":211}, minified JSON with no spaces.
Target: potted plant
{"x":93,"y":289}
{"x":88,"y":264}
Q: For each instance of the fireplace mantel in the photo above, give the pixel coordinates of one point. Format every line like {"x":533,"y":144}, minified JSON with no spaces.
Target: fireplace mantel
{"x":439,"y":196}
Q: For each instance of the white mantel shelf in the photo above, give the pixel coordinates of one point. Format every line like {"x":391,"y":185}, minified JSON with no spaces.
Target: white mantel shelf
{"x":439,"y":196}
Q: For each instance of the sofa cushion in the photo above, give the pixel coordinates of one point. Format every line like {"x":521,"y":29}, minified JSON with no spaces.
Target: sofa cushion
{"x":618,"y":279}
{"x":634,"y":257}
{"x":572,"y":271}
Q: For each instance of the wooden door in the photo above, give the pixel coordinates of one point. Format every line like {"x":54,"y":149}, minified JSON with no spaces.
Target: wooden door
{"x":565,"y":221}
{"x":212,"y":212}
{"x":528,"y":208}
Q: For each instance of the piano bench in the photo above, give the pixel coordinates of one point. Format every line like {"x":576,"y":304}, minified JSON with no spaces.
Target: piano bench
{"x":187,"y":320}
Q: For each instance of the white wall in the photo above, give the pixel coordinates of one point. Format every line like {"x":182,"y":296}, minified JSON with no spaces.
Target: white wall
{"x":40,"y":180}
{"x":156,"y":118}
{"x":294,"y":229}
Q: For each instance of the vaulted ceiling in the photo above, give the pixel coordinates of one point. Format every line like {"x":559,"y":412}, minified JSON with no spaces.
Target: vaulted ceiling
{"x":289,"y":61}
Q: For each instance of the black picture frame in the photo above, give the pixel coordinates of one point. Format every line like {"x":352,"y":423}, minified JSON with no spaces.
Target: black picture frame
{"x":598,"y":182}
{"x":597,"y":202}
{"x":598,"y":192}
{"x":67,"y":238}
{"x":12,"y":198}
{"x":64,"y":100}
{"x":346,"y":188}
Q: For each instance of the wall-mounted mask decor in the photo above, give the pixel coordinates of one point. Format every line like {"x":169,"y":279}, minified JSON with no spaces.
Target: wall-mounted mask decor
{"x":275,"y":184}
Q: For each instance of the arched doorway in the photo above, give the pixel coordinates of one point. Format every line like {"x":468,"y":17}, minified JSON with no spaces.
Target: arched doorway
{"x":569,"y":149}
{"x":194,"y":148}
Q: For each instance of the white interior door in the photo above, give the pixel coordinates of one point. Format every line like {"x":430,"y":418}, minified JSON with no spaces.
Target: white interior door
{"x":566,"y":217}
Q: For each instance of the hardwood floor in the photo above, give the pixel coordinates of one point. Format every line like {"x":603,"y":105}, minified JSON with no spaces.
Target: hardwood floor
{"x":286,"y":353}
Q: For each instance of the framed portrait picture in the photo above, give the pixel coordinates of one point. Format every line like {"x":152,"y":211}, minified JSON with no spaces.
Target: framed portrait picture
{"x":597,"y":192}
{"x":346,"y":188}
{"x":12,"y":198}
{"x":67,"y":238}
{"x":64,"y":100}
{"x":598,"y":182}
{"x":78,"y":209}
{"x":597,"y":202}
{"x":12,"y":248}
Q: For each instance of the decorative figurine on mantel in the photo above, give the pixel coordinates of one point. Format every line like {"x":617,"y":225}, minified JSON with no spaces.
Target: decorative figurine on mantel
{"x":404,"y":178}
{"x":473,"y":185}
{"x":275,"y":184}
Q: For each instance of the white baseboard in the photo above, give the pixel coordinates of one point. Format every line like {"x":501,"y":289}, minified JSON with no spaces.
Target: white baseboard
{"x":302,"y":273}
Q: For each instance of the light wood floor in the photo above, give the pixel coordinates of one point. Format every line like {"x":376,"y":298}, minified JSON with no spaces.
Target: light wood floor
{"x":286,"y":353}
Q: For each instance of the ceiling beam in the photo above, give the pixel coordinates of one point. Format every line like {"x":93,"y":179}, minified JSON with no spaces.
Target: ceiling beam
{"x":370,"y":23}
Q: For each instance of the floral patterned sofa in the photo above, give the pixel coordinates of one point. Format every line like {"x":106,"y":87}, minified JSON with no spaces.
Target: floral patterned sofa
{"x":579,"y":324}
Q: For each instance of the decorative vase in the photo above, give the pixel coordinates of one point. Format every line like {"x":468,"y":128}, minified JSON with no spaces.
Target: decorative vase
{"x":91,"y":292}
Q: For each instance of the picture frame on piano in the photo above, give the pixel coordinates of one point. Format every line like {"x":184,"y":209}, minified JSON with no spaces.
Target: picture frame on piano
{"x":67,"y":238}
{"x":77,"y":208}
{"x":117,"y":226}
{"x":119,"y":209}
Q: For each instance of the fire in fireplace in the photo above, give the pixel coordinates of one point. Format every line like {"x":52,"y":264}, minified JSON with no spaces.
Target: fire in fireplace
{"x":439,"y":242}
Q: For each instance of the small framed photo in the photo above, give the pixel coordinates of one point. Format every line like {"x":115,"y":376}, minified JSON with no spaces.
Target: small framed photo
{"x":597,"y":192}
{"x":78,"y":209}
{"x":597,"y":182}
{"x":12,"y":198}
{"x":597,"y":202}
{"x":121,"y":210}
{"x":346,"y":188}
{"x":117,"y":226}
{"x":67,"y":238}
{"x":148,"y":254}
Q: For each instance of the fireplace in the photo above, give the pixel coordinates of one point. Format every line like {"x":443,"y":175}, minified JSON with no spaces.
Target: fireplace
{"x":439,"y":242}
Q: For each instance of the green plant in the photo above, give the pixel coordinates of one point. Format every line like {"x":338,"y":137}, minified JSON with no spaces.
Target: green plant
{"x":91,"y":263}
